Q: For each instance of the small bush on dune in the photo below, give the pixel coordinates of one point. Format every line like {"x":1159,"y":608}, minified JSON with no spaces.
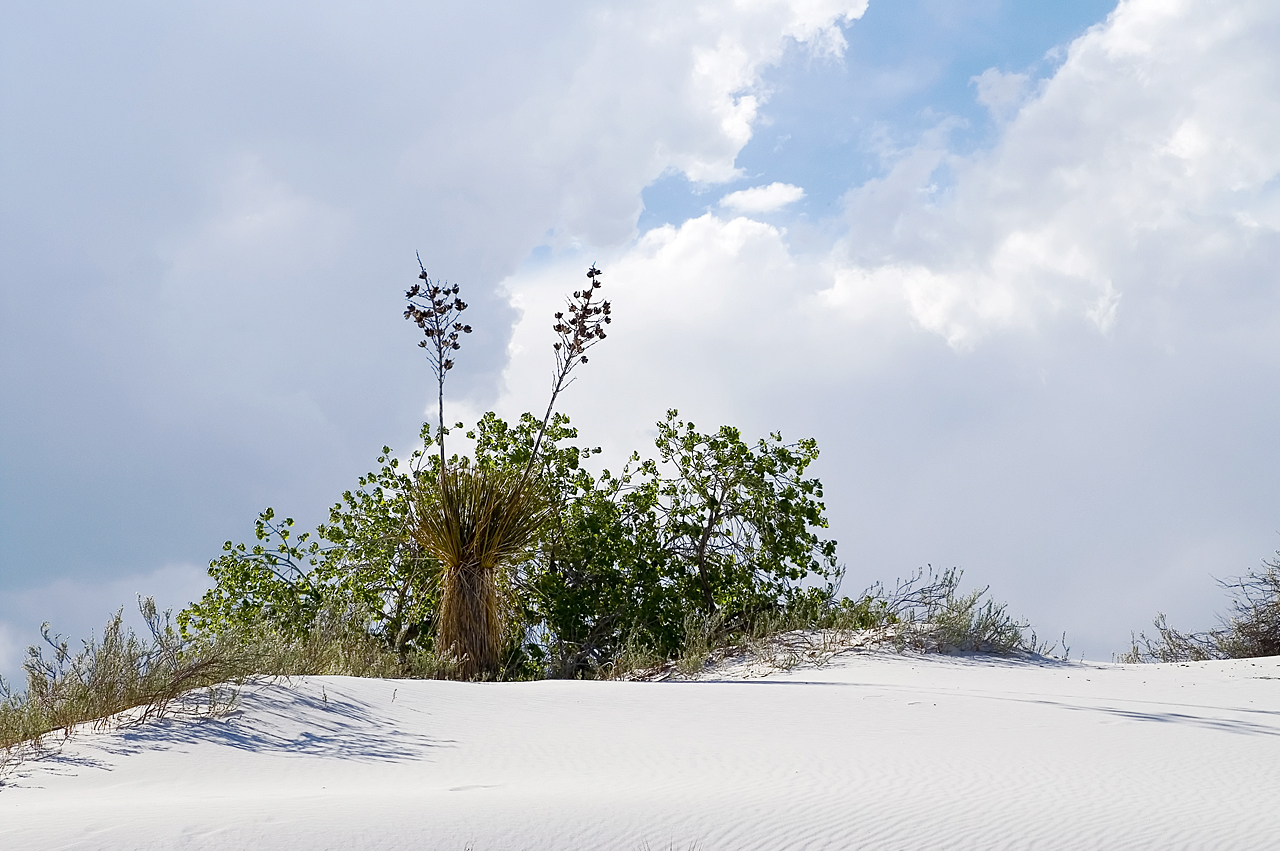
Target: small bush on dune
{"x":163,"y":671}
{"x":711,"y":540}
{"x":363,"y":561}
{"x":933,"y":616}
{"x":337,"y":644}
{"x":1252,"y":628}
{"x":925,"y":613}
{"x":121,"y":671}
{"x":816,"y":624}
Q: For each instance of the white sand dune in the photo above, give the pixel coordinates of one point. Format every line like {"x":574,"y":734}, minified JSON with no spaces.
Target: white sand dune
{"x":873,"y":750}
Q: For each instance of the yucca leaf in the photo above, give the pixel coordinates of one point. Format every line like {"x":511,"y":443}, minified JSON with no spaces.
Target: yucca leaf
{"x":477,"y":520}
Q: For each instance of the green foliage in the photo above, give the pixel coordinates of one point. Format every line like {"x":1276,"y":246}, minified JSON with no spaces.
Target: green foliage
{"x":276,"y":580}
{"x":363,"y":561}
{"x":714,"y":526}
{"x":558,"y":469}
{"x":387,"y":576}
{"x":603,"y":579}
{"x":739,"y":521}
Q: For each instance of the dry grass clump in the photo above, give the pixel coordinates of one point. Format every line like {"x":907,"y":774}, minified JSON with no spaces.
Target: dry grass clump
{"x":1251,"y":630}
{"x":931,"y":616}
{"x":122,"y":671}
{"x":336,"y":645}
{"x":925,"y":613}
{"x":126,"y":679}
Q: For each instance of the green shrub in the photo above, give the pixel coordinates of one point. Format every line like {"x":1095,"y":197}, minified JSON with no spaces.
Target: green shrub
{"x":518,"y":562}
{"x":716,"y":528}
{"x":363,"y":561}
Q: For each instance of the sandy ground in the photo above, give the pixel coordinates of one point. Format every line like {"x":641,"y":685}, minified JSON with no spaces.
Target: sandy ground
{"x":873,"y":750}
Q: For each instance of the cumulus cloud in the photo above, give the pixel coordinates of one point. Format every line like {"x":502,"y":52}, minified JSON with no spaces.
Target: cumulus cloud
{"x":668,"y":87}
{"x":1143,"y":163}
{"x":688,"y":301}
{"x":11,"y":654}
{"x":762,"y":199}
{"x":1119,"y":190}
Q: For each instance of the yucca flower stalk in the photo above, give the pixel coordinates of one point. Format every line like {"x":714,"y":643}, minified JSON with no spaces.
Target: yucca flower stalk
{"x":436,"y":309}
{"x":479,"y":520}
{"x":581,"y":329}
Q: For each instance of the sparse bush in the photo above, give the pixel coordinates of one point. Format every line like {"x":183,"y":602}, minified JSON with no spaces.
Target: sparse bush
{"x":932,"y":616}
{"x":814,"y":626}
{"x":635,"y":654}
{"x":925,"y":613}
{"x":164,"y":671}
{"x":703,"y":634}
{"x":336,"y":645}
{"x":122,"y":671}
{"x":1252,"y":628}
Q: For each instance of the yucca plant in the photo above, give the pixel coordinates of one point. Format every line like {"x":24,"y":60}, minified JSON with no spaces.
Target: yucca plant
{"x":477,"y":522}
{"x":480,"y":519}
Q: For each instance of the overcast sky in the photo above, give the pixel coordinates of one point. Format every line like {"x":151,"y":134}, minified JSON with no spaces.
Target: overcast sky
{"x":1012,"y":262}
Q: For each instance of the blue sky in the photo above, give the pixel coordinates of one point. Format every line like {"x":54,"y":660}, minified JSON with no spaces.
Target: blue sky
{"x":1020,"y":256}
{"x":909,"y":67}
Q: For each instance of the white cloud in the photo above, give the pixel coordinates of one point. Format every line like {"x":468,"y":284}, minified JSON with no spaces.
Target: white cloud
{"x":11,"y":655}
{"x":260,"y":254}
{"x":665,"y":87}
{"x":1002,"y":94}
{"x":706,"y":315}
{"x":762,"y":199}
{"x":1145,"y":162}
{"x":263,"y":224}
